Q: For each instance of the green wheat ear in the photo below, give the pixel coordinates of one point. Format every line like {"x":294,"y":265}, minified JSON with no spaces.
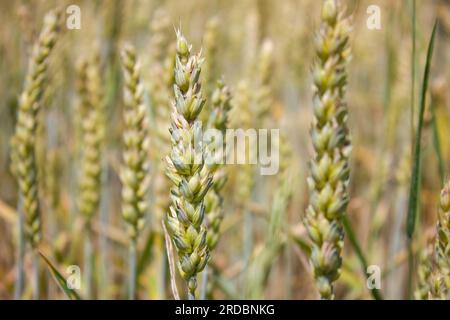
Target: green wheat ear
{"x":218,"y":119}
{"x":92,"y":113}
{"x":23,"y":142}
{"x":134,"y":171}
{"x":329,"y":168}
{"x":185,"y":167}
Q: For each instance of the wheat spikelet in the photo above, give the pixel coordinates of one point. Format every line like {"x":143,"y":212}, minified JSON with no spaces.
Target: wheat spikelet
{"x":218,"y":120}
{"x":185,"y":167}
{"x":92,"y":128}
{"x":134,"y":171}
{"x":24,"y":153}
{"x":329,"y":167}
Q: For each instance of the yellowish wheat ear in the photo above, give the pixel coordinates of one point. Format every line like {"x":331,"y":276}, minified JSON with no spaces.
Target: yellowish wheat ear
{"x":24,"y":153}
{"x":329,"y":168}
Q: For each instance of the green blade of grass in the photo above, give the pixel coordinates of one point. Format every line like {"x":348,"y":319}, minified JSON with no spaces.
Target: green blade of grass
{"x":60,"y":280}
{"x":376,"y":294}
{"x":414,"y":187}
{"x":416,"y":172}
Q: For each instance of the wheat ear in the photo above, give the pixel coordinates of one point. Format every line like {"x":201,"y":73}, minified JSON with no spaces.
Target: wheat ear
{"x":185,"y":167}
{"x":329,"y":169}
{"x":24,"y":153}
{"x":24,"y":140}
{"x":218,"y":120}
{"x":134,"y":171}
{"x":92,"y":131}
{"x":91,"y":111}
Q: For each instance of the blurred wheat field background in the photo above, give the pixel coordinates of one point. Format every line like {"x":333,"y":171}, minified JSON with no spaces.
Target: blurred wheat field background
{"x":91,"y":179}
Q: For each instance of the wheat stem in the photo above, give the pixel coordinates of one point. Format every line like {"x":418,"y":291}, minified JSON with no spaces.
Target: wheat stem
{"x":36,"y":275}
{"x":21,"y":243}
{"x":132,"y":271}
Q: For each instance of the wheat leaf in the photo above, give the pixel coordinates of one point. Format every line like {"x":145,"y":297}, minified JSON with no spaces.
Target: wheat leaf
{"x":60,"y":280}
{"x":415,"y":178}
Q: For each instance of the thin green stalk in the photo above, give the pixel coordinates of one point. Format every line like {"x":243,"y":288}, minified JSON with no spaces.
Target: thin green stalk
{"x":36,"y":274}
{"x":415,"y":179}
{"x":248,"y":236}
{"x":132,"y":260}
{"x":204,"y":286}
{"x":376,"y":294}
{"x":410,"y":269}
{"x":163,"y":275}
{"x":18,"y":289}
{"x":89,"y":263}
{"x":103,"y":239}
{"x":191,"y":295}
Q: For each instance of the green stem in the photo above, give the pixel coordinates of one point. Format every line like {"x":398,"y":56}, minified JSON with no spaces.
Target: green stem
{"x":191,"y":291}
{"x":162,"y":276}
{"x":414,"y":192}
{"x":36,"y":272}
{"x":88,"y":263}
{"x":191,"y":296}
{"x":103,"y":239}
{"x":132,"y":260}
{"x":204,"y":286}
{"x":376,"y":294}
{"x":410,"y":268}
{"x":18,"y":290}
{"x":248,"y":236}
